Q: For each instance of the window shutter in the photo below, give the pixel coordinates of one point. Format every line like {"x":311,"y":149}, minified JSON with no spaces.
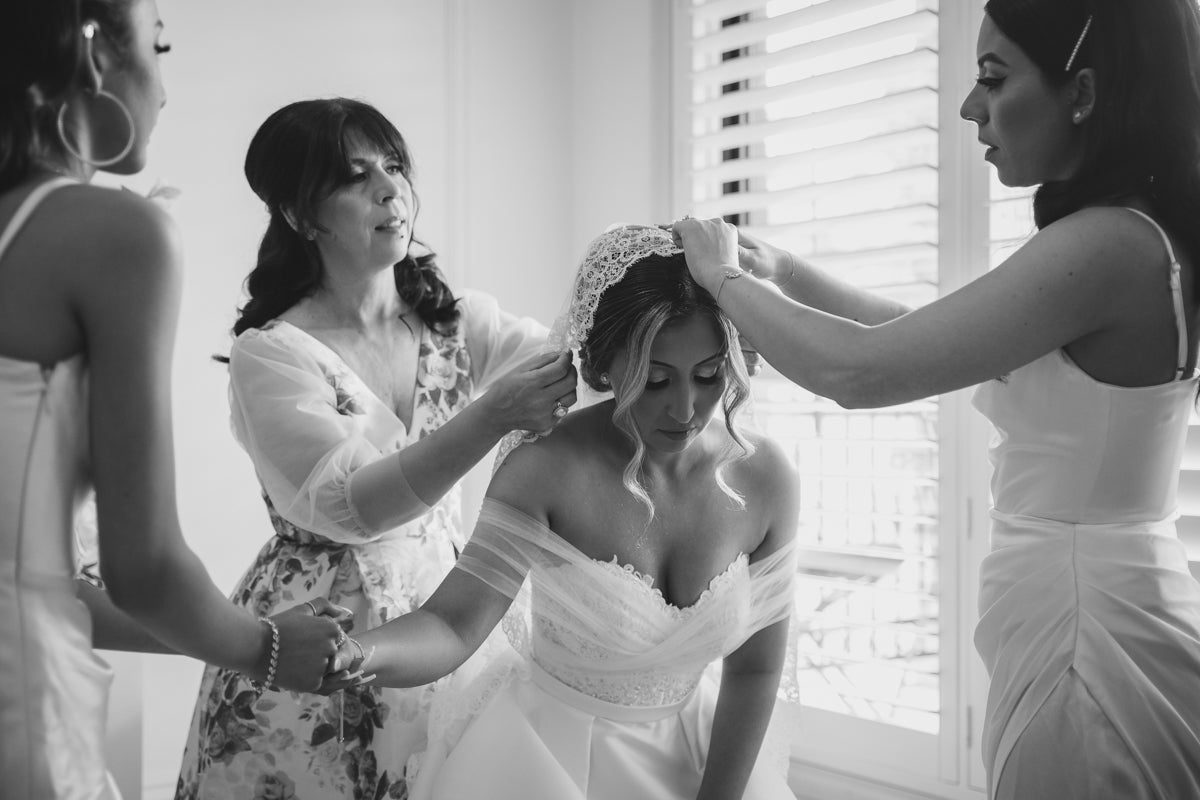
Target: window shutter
{"x":814,"y":125}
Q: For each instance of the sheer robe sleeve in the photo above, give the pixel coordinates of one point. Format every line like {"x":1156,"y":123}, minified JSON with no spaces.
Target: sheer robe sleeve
{"x":305,"y":440}
{"x":497,"y":340}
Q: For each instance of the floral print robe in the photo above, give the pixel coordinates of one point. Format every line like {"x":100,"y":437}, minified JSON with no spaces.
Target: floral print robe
{"x":308,"y":422}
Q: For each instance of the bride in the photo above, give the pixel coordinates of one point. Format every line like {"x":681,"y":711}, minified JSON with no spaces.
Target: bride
{"x":655,"y":545}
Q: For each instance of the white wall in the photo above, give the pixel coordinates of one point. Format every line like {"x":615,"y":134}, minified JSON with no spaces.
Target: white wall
{"x":533,"y":123}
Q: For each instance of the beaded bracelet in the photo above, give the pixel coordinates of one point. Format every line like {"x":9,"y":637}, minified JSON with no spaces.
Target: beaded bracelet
{"x":272,"y":661}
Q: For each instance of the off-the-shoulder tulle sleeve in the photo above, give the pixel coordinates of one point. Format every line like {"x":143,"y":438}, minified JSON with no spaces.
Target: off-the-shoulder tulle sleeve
{"x":554,"y":582}
{"x":285,"y":414}
{"x":497,"y":340}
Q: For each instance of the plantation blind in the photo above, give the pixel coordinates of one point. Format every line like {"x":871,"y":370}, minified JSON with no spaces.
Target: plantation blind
{"x":814,"y":124}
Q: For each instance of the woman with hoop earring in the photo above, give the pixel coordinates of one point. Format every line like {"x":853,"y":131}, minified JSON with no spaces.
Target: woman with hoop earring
{"x":89,"y":295}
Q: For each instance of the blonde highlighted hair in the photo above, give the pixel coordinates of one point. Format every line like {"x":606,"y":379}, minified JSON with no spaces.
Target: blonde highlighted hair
{"x":656,"y":292}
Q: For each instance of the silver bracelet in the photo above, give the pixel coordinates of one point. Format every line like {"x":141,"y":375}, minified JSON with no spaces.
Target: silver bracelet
{"x":272,"y":659}
{"x":791,"y":273}
{"x":727,"y":274}
{"x":362,"y":654}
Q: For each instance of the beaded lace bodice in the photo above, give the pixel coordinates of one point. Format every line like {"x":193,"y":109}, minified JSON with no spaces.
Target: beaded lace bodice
{"x":641,"y":613}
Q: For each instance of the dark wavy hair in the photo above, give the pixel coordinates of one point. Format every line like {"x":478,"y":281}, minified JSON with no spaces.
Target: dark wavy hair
{"x":656,"y":292}
{"x":41,"y":55}
{"x":296,"y":158}
{"x":1142,"y":138}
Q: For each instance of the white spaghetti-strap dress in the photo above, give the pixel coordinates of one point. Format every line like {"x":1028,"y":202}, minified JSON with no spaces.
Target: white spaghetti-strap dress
{"x":1089,"y":618}
{"x":53,"y":687}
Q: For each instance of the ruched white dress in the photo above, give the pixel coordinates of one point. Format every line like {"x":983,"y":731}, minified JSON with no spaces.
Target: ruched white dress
{"x":1089,"y":619}
{"x":53,"y":687}
{"x":606,"y":693}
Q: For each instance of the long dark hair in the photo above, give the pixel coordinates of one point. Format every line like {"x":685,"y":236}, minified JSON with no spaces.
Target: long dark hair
{"x":1143,"y":136}
{"x":296,"y":158}
{"x":41,"y":52}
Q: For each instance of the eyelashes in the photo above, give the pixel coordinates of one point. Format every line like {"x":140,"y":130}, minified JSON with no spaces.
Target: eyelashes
{"x":704,"y":380}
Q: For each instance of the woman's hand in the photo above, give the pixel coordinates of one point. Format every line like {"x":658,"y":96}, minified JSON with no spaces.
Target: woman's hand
{"x":764,"y":260}
{"x":347,"y":667}
{"x":308,"y":635}
{"x":535,"y":395}
{"x":710,"y":247}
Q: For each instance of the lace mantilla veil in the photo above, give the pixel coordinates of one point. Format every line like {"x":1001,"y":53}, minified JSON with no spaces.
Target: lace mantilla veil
{"x":605,"y":261}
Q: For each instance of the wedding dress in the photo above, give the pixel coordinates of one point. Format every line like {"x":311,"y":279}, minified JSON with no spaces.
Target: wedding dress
{"x":607,"y":691}
{"x":1090,"y":619}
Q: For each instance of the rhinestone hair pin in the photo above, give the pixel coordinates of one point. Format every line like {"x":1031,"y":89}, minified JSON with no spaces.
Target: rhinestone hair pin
{"x":1078,"y":43}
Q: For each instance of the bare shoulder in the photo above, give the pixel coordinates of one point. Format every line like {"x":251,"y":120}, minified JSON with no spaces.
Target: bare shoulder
{"x":770,"y":483}
{"x":123,"y":220}
{"x":1111,"y":242}
{"x":769,"y":466}
{"x":536,"y":474}
{"x":124,"y":248}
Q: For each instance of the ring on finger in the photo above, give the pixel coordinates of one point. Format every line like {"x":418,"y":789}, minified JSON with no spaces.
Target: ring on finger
{"x":341,"y":638}
{"x":311,"y":607}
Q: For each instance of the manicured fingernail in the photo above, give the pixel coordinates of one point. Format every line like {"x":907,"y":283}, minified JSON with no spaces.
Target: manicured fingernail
{"x":367,"y":679}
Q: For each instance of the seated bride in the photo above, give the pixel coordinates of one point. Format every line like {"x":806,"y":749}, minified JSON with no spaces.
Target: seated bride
{"x":627,"y":552}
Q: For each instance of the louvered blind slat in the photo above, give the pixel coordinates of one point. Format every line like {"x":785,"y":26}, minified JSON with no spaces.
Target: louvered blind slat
{"x":814,"y":125}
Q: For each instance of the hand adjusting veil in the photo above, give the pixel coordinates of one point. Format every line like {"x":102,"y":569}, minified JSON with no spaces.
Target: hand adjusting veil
{"x":605,"y":261}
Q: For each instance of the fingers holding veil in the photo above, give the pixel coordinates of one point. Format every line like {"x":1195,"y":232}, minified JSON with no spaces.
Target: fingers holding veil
{"x":710,"y":247}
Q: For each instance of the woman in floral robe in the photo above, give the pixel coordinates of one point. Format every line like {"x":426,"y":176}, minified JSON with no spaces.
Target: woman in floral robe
{"x":359,"y":432}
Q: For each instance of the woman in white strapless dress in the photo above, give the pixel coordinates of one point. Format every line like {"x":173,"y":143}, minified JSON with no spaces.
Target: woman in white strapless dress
{"x":89,"y":287}
{"x":1084,"y":342}
{"x":644,"y":558}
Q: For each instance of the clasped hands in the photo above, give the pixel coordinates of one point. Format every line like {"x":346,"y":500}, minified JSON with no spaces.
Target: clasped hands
{"x":316,"y":652}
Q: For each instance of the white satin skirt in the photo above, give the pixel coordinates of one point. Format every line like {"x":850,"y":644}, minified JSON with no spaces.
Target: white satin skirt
{"x":536,"y":738}
{"x":1091,"y":636}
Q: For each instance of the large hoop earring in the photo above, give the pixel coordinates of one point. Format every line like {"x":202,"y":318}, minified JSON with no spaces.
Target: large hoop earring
{"x":104,"y":162}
